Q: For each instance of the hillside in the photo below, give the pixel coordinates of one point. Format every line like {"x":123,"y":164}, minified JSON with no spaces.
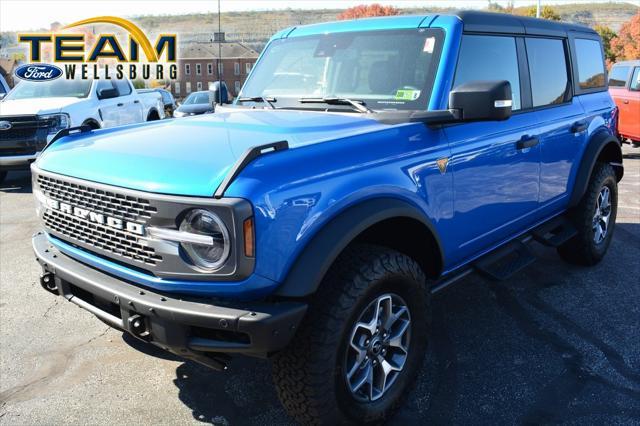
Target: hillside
{"x":255,"y":28}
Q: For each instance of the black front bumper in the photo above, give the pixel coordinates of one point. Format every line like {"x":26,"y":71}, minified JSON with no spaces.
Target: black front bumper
{"x":192,"y":328}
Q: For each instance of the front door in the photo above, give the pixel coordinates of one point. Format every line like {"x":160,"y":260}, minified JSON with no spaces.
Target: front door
{"x":495,"y":165}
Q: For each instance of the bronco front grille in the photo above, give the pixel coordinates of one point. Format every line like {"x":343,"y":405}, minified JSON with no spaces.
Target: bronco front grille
{"x":93,"y":236}
{"x":106,"y":239}
{"x":97,"y":200}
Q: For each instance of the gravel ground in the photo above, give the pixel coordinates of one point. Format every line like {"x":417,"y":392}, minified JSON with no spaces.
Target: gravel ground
{"x":555,"y":344}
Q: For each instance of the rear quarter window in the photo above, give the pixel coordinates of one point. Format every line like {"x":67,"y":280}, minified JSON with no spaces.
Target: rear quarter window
{"x":590,"y":64}
{"x":618,"y":76}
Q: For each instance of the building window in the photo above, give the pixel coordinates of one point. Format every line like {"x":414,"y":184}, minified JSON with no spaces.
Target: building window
{"x":187,"y":69}
{"x":188,"y":87}
{"x":176,"y":89}
{"x":220,"y":68}
{"x":236,"y":68}
{"x":198,"y":69}
{"x":209,"y":68}
{"x":237,"y":87}
{"x":247,"y":67}
{"x":199,"y":85}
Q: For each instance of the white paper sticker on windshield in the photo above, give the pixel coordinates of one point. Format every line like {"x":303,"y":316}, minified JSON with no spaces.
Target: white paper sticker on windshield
{"x":429,"y":44}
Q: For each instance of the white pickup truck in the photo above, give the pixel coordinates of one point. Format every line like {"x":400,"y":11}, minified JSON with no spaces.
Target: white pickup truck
{"x":33,"y":112}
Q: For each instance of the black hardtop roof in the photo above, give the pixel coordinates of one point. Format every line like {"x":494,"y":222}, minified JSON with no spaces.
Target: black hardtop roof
{"x":488,"y":22}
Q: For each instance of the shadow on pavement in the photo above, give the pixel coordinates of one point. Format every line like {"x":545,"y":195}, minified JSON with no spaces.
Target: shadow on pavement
{"x":17,"y":182}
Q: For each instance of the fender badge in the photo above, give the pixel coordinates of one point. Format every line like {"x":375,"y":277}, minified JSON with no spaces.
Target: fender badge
{"x":442,"y":164}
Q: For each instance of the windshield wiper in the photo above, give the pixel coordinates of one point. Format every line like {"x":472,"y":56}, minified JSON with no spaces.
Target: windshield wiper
{"x":263,"y":99}
{"x":357,"y":104}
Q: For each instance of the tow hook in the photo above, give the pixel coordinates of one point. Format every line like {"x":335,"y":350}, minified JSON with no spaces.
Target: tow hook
{"x":48,"y":282}
{"x":138,"y":327}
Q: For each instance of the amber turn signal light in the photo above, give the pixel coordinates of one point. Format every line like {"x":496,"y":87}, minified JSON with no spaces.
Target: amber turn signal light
{"x":249,"y":238}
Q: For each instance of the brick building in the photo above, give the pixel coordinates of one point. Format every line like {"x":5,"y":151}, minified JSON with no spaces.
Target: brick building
{"x":199,"y":63}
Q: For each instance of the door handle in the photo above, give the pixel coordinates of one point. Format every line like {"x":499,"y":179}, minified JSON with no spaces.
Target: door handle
{"x":120,"y":104}
{"x":527,"y":142}
{"x":579,"y":126}
{"x":136,"y":101}
{"x":625,"y":101}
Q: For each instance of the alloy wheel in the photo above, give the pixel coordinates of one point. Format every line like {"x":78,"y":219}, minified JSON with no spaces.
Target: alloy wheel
{"x":378,"y":347}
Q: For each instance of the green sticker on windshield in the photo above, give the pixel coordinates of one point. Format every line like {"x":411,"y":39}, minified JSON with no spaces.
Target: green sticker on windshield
{"x":407,"y":94}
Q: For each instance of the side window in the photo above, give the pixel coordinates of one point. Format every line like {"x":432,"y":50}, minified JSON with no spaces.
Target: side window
{"x":123,"y":87}
{"x":590,"y":64}
{"x":489,"y":58}
{"x":618,"y":76}
{"x":635,"y":79}
{"x":548,"y":71}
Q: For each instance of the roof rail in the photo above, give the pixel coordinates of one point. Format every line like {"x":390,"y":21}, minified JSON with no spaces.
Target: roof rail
{"x":246,"y":158}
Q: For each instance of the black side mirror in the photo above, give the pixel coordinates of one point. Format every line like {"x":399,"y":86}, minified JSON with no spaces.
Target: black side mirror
{"x":107,"y":93}
{"x":482,"y":100}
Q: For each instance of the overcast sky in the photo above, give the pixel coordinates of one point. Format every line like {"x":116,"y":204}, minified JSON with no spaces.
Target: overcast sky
{"x":34,"y":14}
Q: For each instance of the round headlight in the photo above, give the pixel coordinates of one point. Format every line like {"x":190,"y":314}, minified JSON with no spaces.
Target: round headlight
{"x":206,"y":256}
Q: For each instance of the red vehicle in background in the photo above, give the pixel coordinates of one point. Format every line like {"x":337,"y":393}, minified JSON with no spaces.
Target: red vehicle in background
{"x":624,"y":86}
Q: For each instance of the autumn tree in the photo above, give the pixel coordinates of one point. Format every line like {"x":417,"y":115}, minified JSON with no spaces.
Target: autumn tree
{"x":607,"y":34}
{"x":547,"y":12}
{"x":369,"y":10}
{"x":626,"y":45}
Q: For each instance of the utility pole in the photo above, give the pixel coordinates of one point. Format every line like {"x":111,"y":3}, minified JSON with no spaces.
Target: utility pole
{"x":537,"y":9}
{"x":220,"y":64}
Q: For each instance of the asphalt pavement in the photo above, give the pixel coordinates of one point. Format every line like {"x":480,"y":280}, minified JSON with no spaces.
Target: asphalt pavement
{"x":555,"y":344}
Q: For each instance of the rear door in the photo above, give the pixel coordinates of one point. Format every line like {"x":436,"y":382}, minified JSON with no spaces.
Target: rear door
{"x":496,"y":165}
{"x":634,"y":105}
{"x":561,"y":116}
{"x":130,"y":107}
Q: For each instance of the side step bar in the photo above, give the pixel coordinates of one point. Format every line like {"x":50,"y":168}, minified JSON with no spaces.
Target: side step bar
{"x":507,"y":260}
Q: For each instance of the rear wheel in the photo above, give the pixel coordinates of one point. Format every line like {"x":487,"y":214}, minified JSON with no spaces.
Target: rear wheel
{"x":594,"y":218}
{"x":361,"y":343}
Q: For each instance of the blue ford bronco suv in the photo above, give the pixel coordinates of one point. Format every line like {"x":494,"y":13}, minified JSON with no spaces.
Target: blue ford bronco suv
{"x":365,"y":166}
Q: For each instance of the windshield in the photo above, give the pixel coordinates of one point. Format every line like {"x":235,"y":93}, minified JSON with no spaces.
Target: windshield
{"x":197,"y":98}
{"x":51,"y":89}
{"x":385,"y":69}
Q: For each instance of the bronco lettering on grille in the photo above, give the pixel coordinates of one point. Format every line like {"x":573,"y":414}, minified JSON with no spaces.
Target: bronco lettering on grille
{"x":101,"y":219}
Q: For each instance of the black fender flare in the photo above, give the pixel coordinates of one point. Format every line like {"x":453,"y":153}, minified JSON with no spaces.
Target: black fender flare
{"x":318,"y":255}
{"x":597,"y":144}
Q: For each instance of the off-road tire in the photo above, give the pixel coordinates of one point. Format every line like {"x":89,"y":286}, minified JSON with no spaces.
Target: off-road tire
{"x":582,"y":249}
{"x":309,"y":373}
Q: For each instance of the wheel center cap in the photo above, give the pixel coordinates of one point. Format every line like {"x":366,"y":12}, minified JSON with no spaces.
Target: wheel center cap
{"x":376,"y":347}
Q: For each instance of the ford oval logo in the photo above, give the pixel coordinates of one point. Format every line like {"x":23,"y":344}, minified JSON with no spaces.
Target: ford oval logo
{"x":38,"y":72}
{"x":5,"y":125}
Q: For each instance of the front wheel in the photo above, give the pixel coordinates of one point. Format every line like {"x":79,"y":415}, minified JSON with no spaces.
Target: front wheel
{"x":361,"y":344}
{"x":594,"y":218}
